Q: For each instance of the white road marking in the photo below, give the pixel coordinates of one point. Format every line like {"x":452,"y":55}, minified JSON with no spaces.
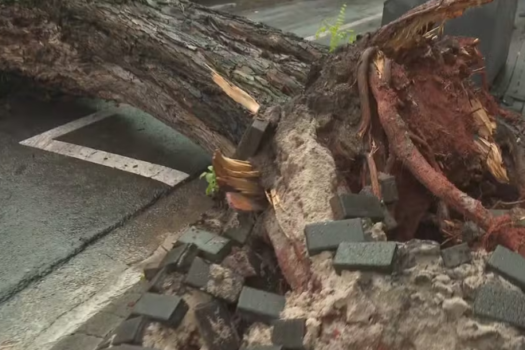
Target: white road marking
{"x":347,"y":26}
{"x":46,"y":141}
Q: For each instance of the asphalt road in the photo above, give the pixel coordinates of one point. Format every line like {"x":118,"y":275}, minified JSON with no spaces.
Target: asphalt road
{"x":52,"y":206}
{"x":305,"y":17}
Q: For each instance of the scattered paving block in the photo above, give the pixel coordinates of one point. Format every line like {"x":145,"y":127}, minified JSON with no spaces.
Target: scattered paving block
{"x":289,"y":333}
{"x":240,"y":232}
{"x":180,"y":257}
{"x":369,"y":256}
{"x":151,"y":270}
{"x":264,"y":347}
{"x":389,"y":221}
{"x":388,"y":186}
{"x":251,"y":140}
{"x":499,"y":212}
{"x":198,"y":274}
{"x":157,"y":282}
{"x":500,"y":304}
{"x":456,"y":255}
{"x":508,"y":264}
{"x":130,"y":331}
{"x":260,"y":306}
{"x":470,"y":232}
{"x":323,"y":236}
{"x":350,"y":206}
{"x":168,"y":309}
{"x":211,"y":247}
{"x":216,"y":280}
{"x":216,"y":326}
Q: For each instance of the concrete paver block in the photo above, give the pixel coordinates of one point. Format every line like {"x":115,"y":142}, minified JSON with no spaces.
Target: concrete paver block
{"x":208,"y":316}
{"x":130,"y":331}
{"x":369,"y":256}
{"x":219,"y":281}
{"x":180,"y":257}
{"x":388,"y":186}
{"x":260,"y":306}
{"x":500,"y":304}
{"x":151,"y":270}
{"x":211,"y":247}
{"x":198,"y":274}
{"x":240,"y":233}
{"x":157,"y":282}
{"x":264,"y":347}
{"x":251,"y":140}
{"x":289,"y":333}
{"x":389,"y":221}
{"x":168,"y":309}
{"x":470,"y":232}
{"x":456,"y":255}
{"x":326,"y":236}
{"x":509,"y":265}
{"x":350,"y":205}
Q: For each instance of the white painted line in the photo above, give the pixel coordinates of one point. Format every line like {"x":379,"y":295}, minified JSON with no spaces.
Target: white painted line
{"x":347,"y":26}
{"x":40,"y":140}
{"x":45,"y":141}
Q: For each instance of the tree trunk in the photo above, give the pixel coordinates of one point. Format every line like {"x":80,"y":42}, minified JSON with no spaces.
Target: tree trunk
{"x":202,"y":72}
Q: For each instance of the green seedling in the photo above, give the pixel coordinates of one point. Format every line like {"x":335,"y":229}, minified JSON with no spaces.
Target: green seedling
{"x":211,"y":179}
{"x":333,"y":29}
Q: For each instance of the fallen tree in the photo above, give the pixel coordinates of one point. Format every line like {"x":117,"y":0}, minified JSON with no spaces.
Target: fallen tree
{"x":399,"y":101}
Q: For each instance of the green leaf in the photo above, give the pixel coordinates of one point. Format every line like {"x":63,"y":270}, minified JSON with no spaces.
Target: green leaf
{"x":210,"y":178}
{"x":210,"y":168}
{"x":203,"y":175}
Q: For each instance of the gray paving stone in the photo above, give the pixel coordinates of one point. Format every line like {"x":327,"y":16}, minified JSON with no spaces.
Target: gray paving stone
{"x":157,"y":282}
{"x":456,"y":255}
{"x":326,"y":236}
{"x":151,"y":270}
{"x":77,"y":341}
{"x":389,"y":221}
{"x":130,"y":331}
{"x":350,"y":205}
{"x":500,"y":304}
{"x":168,"y":309}
{"x":219,"y":281}
{"x":211,"y":247}
{"x":509,"y":265}
{"x":260,"y":306}
{"x":289,"y":333}
{"x":180,"y":257}
{"x":470,"y":232}
{"x":369,"y":256}
{"x":198,"y":275}
{"x":208,"y":316}
{"x":251,"y":140}
{"x":264,"y":347}
{"x":101,"y":324}
{"x":388,"y":185}
{"x":240,"y":233}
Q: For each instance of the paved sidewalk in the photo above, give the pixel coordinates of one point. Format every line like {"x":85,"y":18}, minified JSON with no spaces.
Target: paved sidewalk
{"x":106,"y":276}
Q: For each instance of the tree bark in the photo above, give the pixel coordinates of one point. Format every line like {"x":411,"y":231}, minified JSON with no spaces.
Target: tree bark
{"x":202,"y":72}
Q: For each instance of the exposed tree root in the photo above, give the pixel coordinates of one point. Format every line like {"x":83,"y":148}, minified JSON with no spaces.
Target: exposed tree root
{"x":406,"y":151}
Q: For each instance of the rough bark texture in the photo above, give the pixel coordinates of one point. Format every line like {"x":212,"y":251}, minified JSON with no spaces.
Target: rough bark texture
{"x":182,"y":63}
